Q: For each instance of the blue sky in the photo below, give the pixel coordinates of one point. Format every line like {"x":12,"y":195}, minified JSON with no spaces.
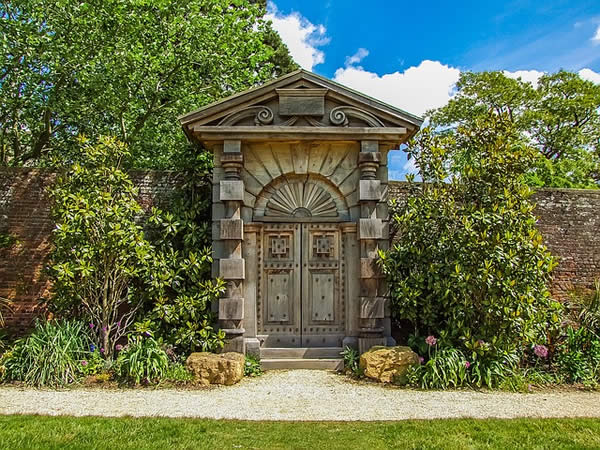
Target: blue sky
{"x":410,"y":54}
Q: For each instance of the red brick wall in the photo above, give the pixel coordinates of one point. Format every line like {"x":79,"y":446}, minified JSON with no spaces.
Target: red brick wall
{"x":568,"y":219}
{"x":25,"y":214}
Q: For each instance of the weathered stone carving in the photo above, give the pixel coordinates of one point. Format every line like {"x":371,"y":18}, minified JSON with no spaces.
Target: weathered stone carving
{"x":263,"y":115}
{"x":339,"y":116}
{"x":299,"y":212}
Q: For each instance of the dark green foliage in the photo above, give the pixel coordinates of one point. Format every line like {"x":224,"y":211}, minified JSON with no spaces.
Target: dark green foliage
{"x":51,"y":356}
{"x":125,"y":68}
{"x":469,"y":262}
{"x":252,"y":366}
{"x":142,"y":360}
{"x":578,"y":356}
{"x":179,"y":287}
{"x":559,"y":117}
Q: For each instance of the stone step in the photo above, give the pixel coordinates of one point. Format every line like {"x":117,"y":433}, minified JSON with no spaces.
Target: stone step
{"x":310,"y":353}
{"x":302,"y":363}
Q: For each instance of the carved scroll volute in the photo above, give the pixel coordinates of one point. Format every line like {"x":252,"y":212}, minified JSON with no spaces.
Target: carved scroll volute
{"x":339,"y":116}
{"x":263,"y":115}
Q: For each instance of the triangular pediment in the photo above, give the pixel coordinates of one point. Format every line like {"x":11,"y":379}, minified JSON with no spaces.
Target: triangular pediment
{"x":300,"y":99}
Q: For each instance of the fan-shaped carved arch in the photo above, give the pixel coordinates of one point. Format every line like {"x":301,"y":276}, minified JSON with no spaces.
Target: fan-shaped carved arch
{"x":307,"y":198}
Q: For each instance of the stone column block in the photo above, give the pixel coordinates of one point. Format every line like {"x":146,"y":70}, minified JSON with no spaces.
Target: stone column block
{"x":370,"y":190}
{"x":231,"y":309}
{"x":231,"y":190}
{"x":231,"y":229}
{"x":232,"y":269}
{"x":370,"y":229}
{"x":372,"y":308}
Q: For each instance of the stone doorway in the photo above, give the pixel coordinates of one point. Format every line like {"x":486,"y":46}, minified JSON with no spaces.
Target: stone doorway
{"x":301,"y":294}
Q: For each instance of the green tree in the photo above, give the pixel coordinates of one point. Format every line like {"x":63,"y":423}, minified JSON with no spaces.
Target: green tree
{"x":469,"y":264}
{"x":99,"y":248}
{"x":125,"y":68}
{"x":560,"y":117}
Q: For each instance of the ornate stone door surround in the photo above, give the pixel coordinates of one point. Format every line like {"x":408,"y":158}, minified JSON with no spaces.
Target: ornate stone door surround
{"x":301,"y":153}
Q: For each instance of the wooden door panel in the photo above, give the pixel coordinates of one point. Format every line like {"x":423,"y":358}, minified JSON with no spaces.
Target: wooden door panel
{"x":279,"y":314}
{"x":280,"y":296}
{"x":322,"y":307}
{"x":322,"y":298}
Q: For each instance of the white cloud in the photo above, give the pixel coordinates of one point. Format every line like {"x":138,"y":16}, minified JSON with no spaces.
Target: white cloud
{"x":417,"y":89}
{"x":596,"y":38}
{"x":589,"y":74}
{"x":531,"y":76}
{"x":360,"y":54}
{"x":300,"y":35}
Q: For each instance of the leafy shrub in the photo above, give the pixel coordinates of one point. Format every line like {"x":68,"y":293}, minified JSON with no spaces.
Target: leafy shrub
{"x":179,"y":288}
{"x":469,"y":260}
{"x":99,"y":248}
{"x":142,"y":359}
{"x":578,"y":356}
{"x":585,"y":309}
{"x":351,"y":360}
{"x":252,"y":367}
{"x":51,"y":356}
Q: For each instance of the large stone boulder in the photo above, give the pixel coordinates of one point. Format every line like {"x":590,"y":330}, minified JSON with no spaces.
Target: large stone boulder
{"x":388,"y":364}
{"x":212,"y":368}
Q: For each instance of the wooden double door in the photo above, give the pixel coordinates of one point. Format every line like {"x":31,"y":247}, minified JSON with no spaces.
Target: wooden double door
{"x":301,"y":286}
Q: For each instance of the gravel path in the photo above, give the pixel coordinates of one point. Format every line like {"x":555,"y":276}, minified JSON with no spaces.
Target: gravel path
{"x":298,"y":395}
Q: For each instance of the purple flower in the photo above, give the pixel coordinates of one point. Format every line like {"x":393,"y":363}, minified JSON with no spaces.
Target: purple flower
{"x":104,"y":329}
{"x":430,"y":340}
{"x":92,"y":326}
{"x":421,"y":360}
{"x":467,"y":364}
{"x":147,"y":333}
{"x":84,"y":363}
{"x":541,"y":351}
{"x":118,"y":347}
{"x":101,"y":349}
{"x":119,"y":323}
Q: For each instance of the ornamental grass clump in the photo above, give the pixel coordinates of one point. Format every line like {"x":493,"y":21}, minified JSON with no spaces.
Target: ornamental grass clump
{"x":51,"y":356}
{"x":142,"y":360}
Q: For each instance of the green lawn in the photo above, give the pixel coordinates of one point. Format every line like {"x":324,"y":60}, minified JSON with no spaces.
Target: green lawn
{"x":35,"y":432}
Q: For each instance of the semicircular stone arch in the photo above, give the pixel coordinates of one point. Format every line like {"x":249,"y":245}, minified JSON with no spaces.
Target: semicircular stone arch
{"x":301,"y":198}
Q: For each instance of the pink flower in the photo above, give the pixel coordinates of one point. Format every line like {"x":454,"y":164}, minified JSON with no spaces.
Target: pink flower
{"x":103,"y":328}
{"x":102,"y":350}
{"x":84,"y":363}
{"x":118,"y":347}
{"x":541,"y":351}
{"x":430,"y":340}
{"x":421,"y":360}
{"x":91,"y":325}
{"x":467,"y":364}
